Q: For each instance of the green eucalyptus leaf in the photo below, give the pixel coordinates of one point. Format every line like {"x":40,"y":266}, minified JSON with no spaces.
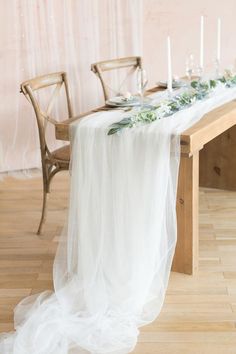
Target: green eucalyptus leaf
{"x":213,"y":83}
{"x":194,"y":84}
{"x":125,"y":121}
{"x":113,"y":131}
{"x":222,"y":79}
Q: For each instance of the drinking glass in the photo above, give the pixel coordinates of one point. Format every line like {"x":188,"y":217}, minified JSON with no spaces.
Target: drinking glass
{"x":141,"y":83}
{"x":217,"y":68}
{"x":190,"y":67}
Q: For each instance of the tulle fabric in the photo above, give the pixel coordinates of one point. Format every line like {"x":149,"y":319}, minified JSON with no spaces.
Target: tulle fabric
{"x":114,"y":257}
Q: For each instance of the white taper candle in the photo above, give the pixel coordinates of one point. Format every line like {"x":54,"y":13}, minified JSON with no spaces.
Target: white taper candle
{"x":202,"y":42}
{"x":218,"y":39}
{"x":169,"y":82}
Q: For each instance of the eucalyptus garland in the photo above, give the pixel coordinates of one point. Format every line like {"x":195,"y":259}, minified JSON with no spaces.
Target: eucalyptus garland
{"x":150,"y":113}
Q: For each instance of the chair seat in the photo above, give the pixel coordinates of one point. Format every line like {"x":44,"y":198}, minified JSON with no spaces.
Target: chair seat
{"x":62,"y":154}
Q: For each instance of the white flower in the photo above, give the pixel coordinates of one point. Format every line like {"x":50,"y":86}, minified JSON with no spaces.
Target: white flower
{"x":163,"y":110}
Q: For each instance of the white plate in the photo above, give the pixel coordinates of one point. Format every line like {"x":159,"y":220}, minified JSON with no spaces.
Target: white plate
{"x":175,"y":84}
{"x":120,"y":101}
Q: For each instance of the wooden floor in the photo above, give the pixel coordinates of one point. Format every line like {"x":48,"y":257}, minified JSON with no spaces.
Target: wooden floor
{"x":199,"y":315}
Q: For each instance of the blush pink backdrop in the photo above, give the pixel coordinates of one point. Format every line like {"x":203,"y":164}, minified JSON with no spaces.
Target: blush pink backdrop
{"x":42,"y":36}
{"x":181,"y":20}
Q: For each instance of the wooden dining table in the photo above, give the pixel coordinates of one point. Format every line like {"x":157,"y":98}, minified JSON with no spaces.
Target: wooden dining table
{"x":208,"y":159}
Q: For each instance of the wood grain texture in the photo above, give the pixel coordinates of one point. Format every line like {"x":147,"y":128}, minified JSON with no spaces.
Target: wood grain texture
{"x":199,"y":313}
{"x":209,"y":127}
{"x":186,"y":253}
{"x":218,"y":161}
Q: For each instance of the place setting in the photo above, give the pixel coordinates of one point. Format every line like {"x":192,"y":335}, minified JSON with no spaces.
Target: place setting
{"x":129,"y":100}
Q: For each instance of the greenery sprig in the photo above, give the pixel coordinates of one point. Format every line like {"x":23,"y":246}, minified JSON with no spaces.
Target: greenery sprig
{"x":198,"y":91}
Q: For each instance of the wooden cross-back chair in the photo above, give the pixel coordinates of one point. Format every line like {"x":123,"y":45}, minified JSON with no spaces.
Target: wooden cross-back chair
{"x":52,"y":161}
{"x":99,"y":67}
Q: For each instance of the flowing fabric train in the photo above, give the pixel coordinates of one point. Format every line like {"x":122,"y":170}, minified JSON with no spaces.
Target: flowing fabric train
{"x":114,"y":257}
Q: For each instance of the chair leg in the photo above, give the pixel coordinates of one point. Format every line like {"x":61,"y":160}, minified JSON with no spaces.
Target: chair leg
{"x":43,"y":216}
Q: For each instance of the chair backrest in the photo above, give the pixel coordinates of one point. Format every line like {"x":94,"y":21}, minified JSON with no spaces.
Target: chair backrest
{"x":100,"y":67}
{"x":29,"y":87}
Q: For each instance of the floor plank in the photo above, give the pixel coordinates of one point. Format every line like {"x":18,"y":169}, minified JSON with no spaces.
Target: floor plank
{"x":199,"y":313}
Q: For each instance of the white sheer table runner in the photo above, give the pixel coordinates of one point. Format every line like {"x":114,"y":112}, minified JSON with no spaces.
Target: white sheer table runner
{"x":113,"y":260}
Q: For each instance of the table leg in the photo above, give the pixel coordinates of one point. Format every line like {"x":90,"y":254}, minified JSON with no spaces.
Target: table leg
{"x":186,"y":253}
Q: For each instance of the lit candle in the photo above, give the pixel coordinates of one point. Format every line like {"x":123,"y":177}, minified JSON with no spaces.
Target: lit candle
{"x":169,"y":83}
{"x":218,"y":39}
{"x":201,"y":42}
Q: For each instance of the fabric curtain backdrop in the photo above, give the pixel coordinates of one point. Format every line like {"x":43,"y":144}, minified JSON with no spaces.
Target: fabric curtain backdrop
{"x":39,"y":37}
